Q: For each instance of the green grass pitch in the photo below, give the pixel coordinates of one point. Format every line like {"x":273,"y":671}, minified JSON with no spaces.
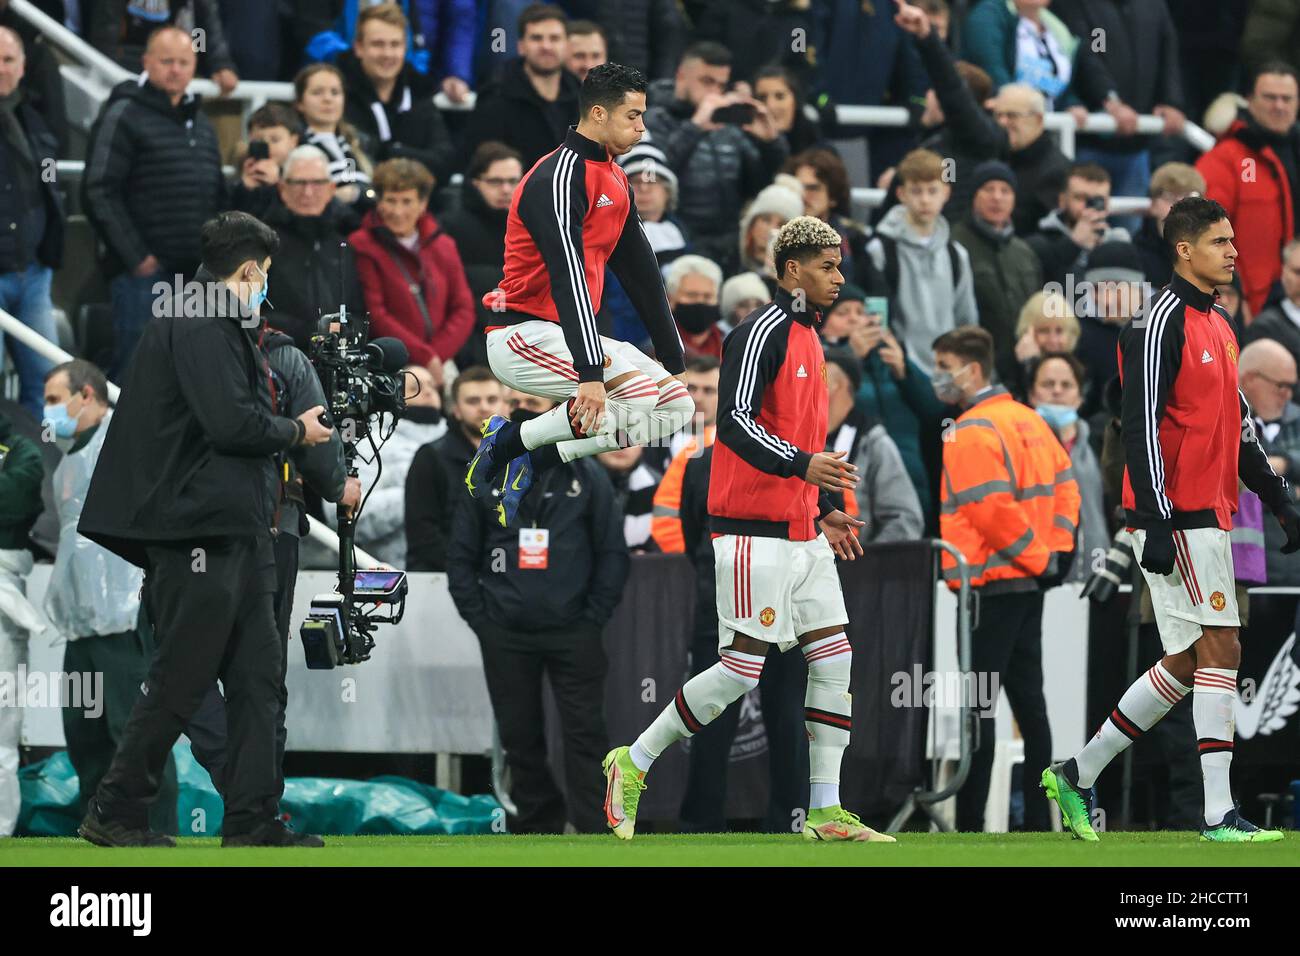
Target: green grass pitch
{"x":737,"y":849}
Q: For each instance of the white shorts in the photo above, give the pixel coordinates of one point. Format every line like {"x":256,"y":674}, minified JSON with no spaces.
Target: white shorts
{"x":533,"y":357}
{"x":774,"y":590}
{"x":1201,"y":591}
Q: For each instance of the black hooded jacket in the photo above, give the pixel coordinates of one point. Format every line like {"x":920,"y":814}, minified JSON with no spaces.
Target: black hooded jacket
{"x":411,"y":127}
{"x":510,"y":110}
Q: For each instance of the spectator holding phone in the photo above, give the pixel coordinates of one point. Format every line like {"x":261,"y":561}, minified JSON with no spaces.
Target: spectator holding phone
{"x":274,"y":131}
{"x":893,"y":389}
{"x":724,"y":147}
{"x":1067,"y":235}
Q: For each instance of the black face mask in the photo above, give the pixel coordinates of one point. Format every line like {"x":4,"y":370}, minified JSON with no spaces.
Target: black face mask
{"x":521,"y":415}
{"x":697,"y":317}
{"x":422,"y":414}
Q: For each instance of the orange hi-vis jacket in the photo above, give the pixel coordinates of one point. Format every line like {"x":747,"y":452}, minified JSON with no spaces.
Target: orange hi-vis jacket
{"x":666,"y":518}
{"x":1009,"y":499}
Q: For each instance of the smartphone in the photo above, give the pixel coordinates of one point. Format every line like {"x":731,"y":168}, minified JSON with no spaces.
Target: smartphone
{"x":878,"y":305}
{"x":259,"y":149}
{"x":737,"y":114}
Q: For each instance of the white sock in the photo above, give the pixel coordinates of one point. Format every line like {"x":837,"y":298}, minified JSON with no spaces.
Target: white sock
{"x":625,"y":406}
{"x":1147,"y":700}
{"x":655,"y":426}
{"x":1213,"y":698}
{"x":704,"y":696}
{"x":824,"y":795}
{"x":828,"y":715}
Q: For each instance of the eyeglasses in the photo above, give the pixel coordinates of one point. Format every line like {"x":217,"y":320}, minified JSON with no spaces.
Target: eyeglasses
{"x":304,"y":183}
{"x":497,"y":182}
{"x":1012,"y":116}
{"x":1281,"y":386}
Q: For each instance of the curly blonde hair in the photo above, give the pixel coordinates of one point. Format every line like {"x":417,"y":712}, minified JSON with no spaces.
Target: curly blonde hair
{"x":801,"y":237}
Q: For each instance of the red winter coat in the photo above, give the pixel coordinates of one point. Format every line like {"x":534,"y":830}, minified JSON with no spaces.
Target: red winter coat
{"x":394,"y":310}
{"x":1257,"y":195}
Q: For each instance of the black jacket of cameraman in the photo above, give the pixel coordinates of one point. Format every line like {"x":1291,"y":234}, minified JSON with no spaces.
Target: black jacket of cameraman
{"x":190,"y":450}
{"x":587,"y":562}
{"x":321,"y":466}
{"x":313,"y":266}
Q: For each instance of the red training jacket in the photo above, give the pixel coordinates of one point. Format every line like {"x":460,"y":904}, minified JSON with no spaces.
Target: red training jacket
{"x":772,"y":418}
{"x":1187,"y":429}
{"x":442,"y":327}
{"x":572,"y":215}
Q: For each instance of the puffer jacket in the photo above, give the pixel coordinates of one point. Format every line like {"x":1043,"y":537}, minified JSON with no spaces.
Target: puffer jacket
{"x":153,"y":178}
{"x":717,"y":171}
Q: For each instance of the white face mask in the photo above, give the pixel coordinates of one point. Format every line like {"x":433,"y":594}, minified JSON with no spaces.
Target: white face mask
{"x":945,"y":385}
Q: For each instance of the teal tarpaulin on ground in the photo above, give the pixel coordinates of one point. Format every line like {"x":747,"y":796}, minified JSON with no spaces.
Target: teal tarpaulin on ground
{"x":383,"y":805}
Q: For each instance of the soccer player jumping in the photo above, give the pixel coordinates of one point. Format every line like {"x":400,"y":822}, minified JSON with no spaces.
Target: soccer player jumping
{"x":1188,"y":434}
{"x":776,"y":577}
{"x":572,"y":215}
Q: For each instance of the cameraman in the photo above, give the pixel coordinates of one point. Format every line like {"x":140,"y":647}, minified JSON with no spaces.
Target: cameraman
{"x":297,"y":388}
{"x":186,"y":488}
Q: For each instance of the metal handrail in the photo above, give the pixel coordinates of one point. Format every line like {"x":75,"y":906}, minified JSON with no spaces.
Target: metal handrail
{"x":920,"y":798}
{"x":38,"y":343}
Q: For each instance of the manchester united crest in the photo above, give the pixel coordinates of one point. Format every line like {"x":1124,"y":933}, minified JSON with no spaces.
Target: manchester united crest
{"x":767,"y":616}
{"x":1217,"y":601}
{"x":1232,"y":352}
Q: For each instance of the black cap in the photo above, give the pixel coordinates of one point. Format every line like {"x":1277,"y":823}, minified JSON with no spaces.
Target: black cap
{"x":852,"y":365}
{"x":990,"y":170}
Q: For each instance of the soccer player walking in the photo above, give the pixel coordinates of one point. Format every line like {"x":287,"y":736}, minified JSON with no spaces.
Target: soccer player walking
{"x":776,"y":578}
{"x":1188,"y":434}
{"x":572,"y":215}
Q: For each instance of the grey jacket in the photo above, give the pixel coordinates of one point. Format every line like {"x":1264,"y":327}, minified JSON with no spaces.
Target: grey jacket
{"x":1094,"y":533}
{"x":320,"y":466}
{"x":1283,"y":570}
{"x":926,"y":300}
{"x":717,"y":171}
{"x":886,"y":499}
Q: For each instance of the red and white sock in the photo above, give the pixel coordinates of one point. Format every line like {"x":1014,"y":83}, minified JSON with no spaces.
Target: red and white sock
{"x":703,"y":698}
{"x":1213,"y":699}
{"x":828,"y":715}
{"x":1147,"y":700}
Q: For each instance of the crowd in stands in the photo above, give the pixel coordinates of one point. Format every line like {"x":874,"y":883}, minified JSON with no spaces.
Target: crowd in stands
{"x":396,"y":205}
{"x":389,"y":176}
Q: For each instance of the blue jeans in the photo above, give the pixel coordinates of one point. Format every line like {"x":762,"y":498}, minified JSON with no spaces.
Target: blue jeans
{"x":1130,"y":175}
{"x":26,"y":296}
{"x":132,"y":309}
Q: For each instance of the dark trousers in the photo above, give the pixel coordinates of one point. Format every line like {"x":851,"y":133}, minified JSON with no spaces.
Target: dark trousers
{"x":1008,"y":642}
{"x":211,"y":604}
{"x":123,"y":660}
{"x":781,"y":689}
{"x":207,"y":728}
{"x":574,"y":660}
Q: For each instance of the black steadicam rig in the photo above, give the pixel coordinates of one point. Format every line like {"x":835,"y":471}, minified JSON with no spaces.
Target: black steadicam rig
{"x":365,"y":393}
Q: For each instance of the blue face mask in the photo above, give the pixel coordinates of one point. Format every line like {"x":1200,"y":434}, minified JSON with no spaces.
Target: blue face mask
{"x":57,"y":417}
{"x":255,"y":299}
{"x":1058,"y":416}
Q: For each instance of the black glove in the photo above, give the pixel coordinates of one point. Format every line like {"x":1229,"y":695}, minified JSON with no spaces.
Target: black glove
{"x":1289,"y":519}
{"x":1158,"y":550}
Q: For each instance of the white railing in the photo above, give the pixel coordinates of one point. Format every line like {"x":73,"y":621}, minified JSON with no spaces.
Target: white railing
{"x":1062,"y":124}
{"x":10,"y":326}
